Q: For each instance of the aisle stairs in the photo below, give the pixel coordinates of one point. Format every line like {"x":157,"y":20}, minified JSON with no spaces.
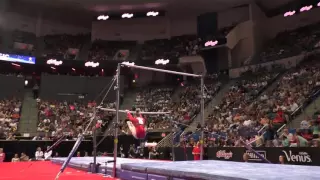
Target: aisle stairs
{"x":208,"y":108}
{"x":307,"y":112}
{"x":29,"y":115}
{"x":128,"y":101}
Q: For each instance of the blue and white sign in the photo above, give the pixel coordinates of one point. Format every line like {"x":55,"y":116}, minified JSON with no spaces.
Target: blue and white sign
{"x":17,"y":58}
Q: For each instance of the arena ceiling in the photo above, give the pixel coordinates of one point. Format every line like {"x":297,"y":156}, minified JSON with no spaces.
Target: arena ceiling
{"x":84,"y":10}
{"x":98,"y":6}
{"x":272,"y":4}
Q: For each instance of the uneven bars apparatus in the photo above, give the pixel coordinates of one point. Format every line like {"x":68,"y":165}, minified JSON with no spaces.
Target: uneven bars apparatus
{"x":158,"y":70}
{"x":124,"y":111}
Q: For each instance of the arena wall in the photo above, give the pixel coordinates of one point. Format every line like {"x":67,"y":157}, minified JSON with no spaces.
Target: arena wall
{"x":279,"y":23}
{"x":162,"y":27}
{"x":38,"y":25}
{"x":233,"y":16}
{"x":131,"y":29}
{"x":258,"y":18}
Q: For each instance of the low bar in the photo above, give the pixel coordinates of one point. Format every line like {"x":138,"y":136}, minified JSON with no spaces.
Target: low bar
{"x":123,"y":111}
{"x":161,"y":70}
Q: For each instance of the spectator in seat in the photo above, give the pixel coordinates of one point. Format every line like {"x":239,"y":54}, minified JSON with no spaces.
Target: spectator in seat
{"x":245,"y":157}
{"x":2,"y":155}
{"x":56,"y":154}
{"x":281,"y":160}
{"x":15,"y":158}
{"x":315,"y":143}
{"x":132,"y":151}
{"x":153,"y":154}
{"x":39,"y":154}
{"x":196,"y":151}
{"x":86,"y":154}
{"x":48,"y":154}
{"x":11,"y":137}
{"x":279,"y":120}
{"x":306,"y":134}
{"x":24,"y":157}
{"x":305,"y":124}
{"x":297,"y":141}
{"x":315,"y":129}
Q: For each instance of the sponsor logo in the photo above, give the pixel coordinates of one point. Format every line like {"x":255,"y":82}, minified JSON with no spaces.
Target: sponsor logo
{"x":254,"y":157}
{"x":4,"y":55}
{"x":223,"y":154}
{"x":301,"y":157}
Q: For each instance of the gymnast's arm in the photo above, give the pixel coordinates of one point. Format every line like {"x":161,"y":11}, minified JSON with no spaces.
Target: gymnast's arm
{"x":130,"y":117}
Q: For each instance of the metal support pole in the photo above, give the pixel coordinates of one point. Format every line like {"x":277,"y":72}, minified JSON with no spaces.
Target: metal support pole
{"x":115,"y":149}
{"x":173,"y":136}
{"x":202,"y":117}
{"x":94,"y":145}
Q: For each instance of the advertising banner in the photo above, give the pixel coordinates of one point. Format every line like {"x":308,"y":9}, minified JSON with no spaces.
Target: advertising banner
{"x":297,"y":156}
{"x":17,"y":58}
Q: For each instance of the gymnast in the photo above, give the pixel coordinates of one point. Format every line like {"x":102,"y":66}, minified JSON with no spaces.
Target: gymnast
{"x":137,"y":124}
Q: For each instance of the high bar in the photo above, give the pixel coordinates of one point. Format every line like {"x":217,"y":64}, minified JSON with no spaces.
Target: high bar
{"x":123,"y":111}
{"x":161,"y":70}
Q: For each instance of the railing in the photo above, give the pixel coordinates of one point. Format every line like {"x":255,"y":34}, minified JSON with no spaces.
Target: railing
{"x":280,"y":129}
{"x":165,"y":140}
{"x":262,"y":128}
{"x":260,"y":137}
{"x":309,"y":100}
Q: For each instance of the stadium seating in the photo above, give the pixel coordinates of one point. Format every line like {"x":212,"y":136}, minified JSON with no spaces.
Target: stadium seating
{"x":107,"y":50}
{"x":258,"y":121}
{"x":174,"y":47}
{"x":9,"y":117}
{"x":242,"y":112}
{"x":291,"y":43}
{"x":70,"y":119}
{"x":63,"y":46}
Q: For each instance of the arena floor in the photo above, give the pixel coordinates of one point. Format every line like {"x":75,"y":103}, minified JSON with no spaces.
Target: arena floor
{"x":42,"y":170}
{"x":207,"y":169}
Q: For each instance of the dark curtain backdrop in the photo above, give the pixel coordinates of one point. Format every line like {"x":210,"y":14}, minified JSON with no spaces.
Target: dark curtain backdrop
{"x":216,"y":59}
{"x":207,"y":24}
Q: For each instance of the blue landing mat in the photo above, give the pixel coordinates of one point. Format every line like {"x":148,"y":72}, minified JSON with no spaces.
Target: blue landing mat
{"x":226,"y":170}
{"x":205,"y":170}
{"x":83,"y":163}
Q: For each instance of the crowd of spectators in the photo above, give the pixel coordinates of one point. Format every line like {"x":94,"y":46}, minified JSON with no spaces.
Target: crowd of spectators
{"x":64,"y":46}
{"x":24,"y":43}
{"x":291,"y":43}
{"x":177,"y":46}
{"x":70,"y":119}
{"x":9,"y":117}
{"x":232,"y":112}
{"x":67,"y":46}
{"x":242,"y":117}
{"x":154,"y":100}
{"x":181,"y":111}
{"x":185,"y":45}
{"x":309,"y":130}
{"x":238,"y":111}
{"x":109,"y":50}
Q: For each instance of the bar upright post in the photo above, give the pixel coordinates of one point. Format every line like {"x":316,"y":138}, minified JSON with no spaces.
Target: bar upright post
{"x":94,"y":146}
{"x":115,"y":149}
{"x":202,"y":117}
